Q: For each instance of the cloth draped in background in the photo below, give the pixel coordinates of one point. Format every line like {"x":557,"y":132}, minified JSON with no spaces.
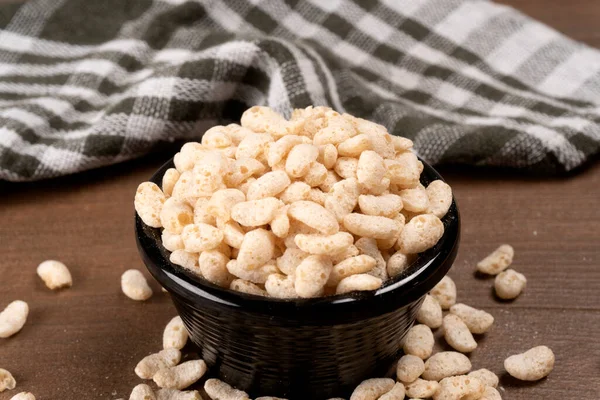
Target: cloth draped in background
{"x":90,"y":83}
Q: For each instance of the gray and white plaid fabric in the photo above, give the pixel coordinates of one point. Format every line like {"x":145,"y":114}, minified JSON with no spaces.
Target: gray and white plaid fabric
{"x":89,"y":83}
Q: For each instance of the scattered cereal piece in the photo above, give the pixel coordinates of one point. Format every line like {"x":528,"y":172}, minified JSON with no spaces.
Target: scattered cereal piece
{"x":444,"y":364}
{"x":409,"y":368}
{"x":486,"y":377}
{"x":174,"y":394}
{"x":498,"y":261}
{"x":7,"y":382}
{"x":532,"y":365}
{"x":175,"y":335}
{"x":151,"y":364}
{"x":142,"y":392}
{"x":135,"y":286}
{"x":478,"y":321}
{"x":149,"y":200}
{"x":422,"y":389}
{"x":430,"y":313}
{"x":180,"y":376}
{"x":23,"y":396}
{"x":445,"y":292}
{"x":55,"y":274}
{"x":12,"y":318}
{"x":419,"y":342}
{"x":396,"y":393}
{"x":459,"y":388}
{"x":457,"y":334}
{"x":219,"y":390}
{"x":490,"y":393}
{"x":509,"y":284}
{"x":372,"y":389}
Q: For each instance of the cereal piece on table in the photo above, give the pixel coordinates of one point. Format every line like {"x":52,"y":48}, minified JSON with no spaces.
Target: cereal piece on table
{"x":175,"y":335}
{"x":257,"y":249}
{"x":420,"y":233}
{"x":396,"y":393}
{"x":200,"y":237}
{"x":422,"y":389}
{"x":439,"y":194}
{"x":415,"y":200}
{"x":149,"y":201}
{"x":174,"y":394}
{"x":409,"y":368}
{"x":13,"y":317}
{"x":445,"y":292}
{"x":175,"y":215}
{"x":151,"y":364}
{"x":142,"y":392}
{"x":478,"y":321}
{"x":223,"y":201}
{"x":369,"y":247}
{"x":387,"y":205}
{"x":169,"y":180}
{"x":256,"y":275}
{"x":323,"y":244}
{"x":55,"y":274}
{"x":219,"y":390}
{"x":430,"y":313}
{"x":509,"y":284}
{"x":358,"y":282}
{"x":281,"y":286}
{"x":372,"y":389}
{"x":7,"y":381}
{"x":241,"y":285}
{"x":459,"y":387}
{"x":171,"y":241}
{"x":343,"y":198}
{"x":256,"y":213}
{"x":180,"y":376}
{"x":490,"y":393}
{"x":371,"y":226}
{"x":346,"y":167}
{"x":350,"y":266}
{"x":311,"y":275}
{"x":497,"y":261}
{"x":269,"y":185}
{"x":300,"y":159}
{"x":315,"y":216}
{"x":419,"y":342}
{"x":457,"y":334}
{"x":486,"y":377}
{"x":135,"y":286}
{"x":532,"y":365}
{"x":23,"y":396}
{"x":186,"y":260}
{"x":444,"y":364}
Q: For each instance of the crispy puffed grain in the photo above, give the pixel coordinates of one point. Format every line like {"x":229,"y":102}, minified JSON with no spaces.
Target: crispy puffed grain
{"x":148,"y":202}
{"x":316,"y":175}
{"x":290,"y":259}
{"x":445,"y":292}
{"x":323,"y":244}
{"x":415,"y":200}
{"x":142,"y":392}
{"x":401,"y":144}
{"x":370,"y":170}
{"x":237,"y":133}
{"x":486,"y":377}
{"x":174,"y":394}
{"x":300,"y":159}
{"x":222,"y":202}
{"x":200,"y":237}
{"x":336,"y":131}
{"x":253,"y":146}
{"x":358,"y":282}
{"x":280,"y":149}
{"x":180,"y":376}
{"x":186,"y":260}
{"x":256,"y":212}
{"x":175,"y":215}
{"x":241,"y":285}
{"x":188,"y":155}
{"x":135,"y":286}
{"x":269,"y":185}
{"x":354,"y":146}
{"x":497,"y":261}
{"x":457,"y":334}
{"x":311,"y":275}
{"x":478,"y":321}
{"x":55,"y":274}
{"x":295,"y":192}
{"x":331,"y":179}
{"x":346,"y":167}
{"x":419,"y":342}
{"x":509,"y":284}
{"x":328,"y":155}
{"x":388,"y":244}
{"x":216,"y":138}
{"x":439,"y":194}
{"x":317,"y":196}
{"x":396,"y":264}
{"x":350,"y":266}
{"x":444,"y":364}
{"x":422,"y":389}
{"x":233,"y":235}
{"x":369,"y":247}
{"x":269,"y":398}
{"x":171,"y":241}
{"x":175,"y":335}
{"x":420,"y":233}
{"x":490,"y":393}
{"x":350,"y":251}
{"x":403,"y":170}
{"x":532,"y":365}
{"x":219,"y":390}
{"x":257,"y":249}
{"x":459,"y":388}
{"x":23,"y":396}
{"x":280,"y":224}
{"x":381,"y":142}
{"x":315,"y":216}
{"x":281,"y":286}
{"x":430,"y":313}
{"x":396,"y":393}
{"x":297,"y":227}
{"x":256,"y":275}
{"x":371,"y":226}
{"x":242,"y":170}
{"x":387,"y":205}
{"x":343,"y":198}
{"x":213,"y":266}
{"x":7,"y":381}
{"x":201,"y":214}
{"x":264,"y":119}
{"x":169,"y":180}
{"x":409,"y":368}
{"x":372,"y":389}
{"x":151,"y":364}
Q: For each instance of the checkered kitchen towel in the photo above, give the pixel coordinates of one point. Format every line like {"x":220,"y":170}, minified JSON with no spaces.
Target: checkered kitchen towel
{"x":85,"y":83}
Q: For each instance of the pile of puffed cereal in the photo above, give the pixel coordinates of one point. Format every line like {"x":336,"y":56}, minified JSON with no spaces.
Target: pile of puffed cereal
{"x":324,"y":203}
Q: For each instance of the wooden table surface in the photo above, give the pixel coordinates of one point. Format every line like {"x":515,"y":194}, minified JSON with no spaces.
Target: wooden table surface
{"x":83,"y":343}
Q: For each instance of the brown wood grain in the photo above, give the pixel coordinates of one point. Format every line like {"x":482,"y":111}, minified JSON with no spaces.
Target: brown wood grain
{"x":83,"y":343}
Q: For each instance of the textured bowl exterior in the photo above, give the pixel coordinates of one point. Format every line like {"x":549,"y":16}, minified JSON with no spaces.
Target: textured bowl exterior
{"x":301,"y":348}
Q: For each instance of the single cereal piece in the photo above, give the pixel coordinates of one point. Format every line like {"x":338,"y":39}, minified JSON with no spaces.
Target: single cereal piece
{"x":444,"y":364}
{"x":300,"y":159}
{"x":439,"y":194}
{"x":233,"y":235}
{"x":213,"y":266}
{"x":316,"y":175}
{"x":322,"y":244}
{"x":175,"y":335}
{"x":317,"y":196}
{"x":498,"y":261}
{"x":445,"y":292}
{"x":358,"y":282}
{"x":346,"y":167}
{"x":354,"y":146}
{"x":253,"y":146}
{"x":186,"y":260}
{"x":409,"y":368}
{"x":415,"y":199}
{"x":241,"y":285}
{"x":135,"y":286}
{"x":532,"y":365}
{"x":149,"y":201}
{"x":369,"y":247}
{"x":241,"y":171}
{"x":459,"y":388}
{"x":430,"y":312}
{"x":265,"y":119}
{"x":396,"y":264}
{"x":387,"y":205}
{"x":422,"y":389}
{"x":478,"y":321}
{"x":315,"y":216}
{"x":55,"y":274}
{"x":142,"y":392}
{"x":371,"y":226}
{"x":350,"y":251}
{"x":328,"y":155}
{"x":372,"y":389}
{"x":396,"y":393}
{"x":200,"y":237}
{"x":419,"y":342}
{"x":290,"y":259}
{"x":175,"y":215}
{"x":169,"y":180}
{"x":401,"y":143}
{"x":280,"y":225}
{"x":420,"y":233}
{"x":257,"y":249}
{"x":490,"y":393}
{"x":219,"y":390}
{"x":280,"y":149}
{"x":189,"y":154}
{"x":403,"y":171}
{"x":256,"y":275}
{"x":180,"y":376}
{"x":23,"y":396}
{"x":255,"y":213}
{"x":7,"y":382}
{"x":311,"y":275}
{"x":151,"y":364}
{"x":509,"y":284}
{"x":343,"y":198}
{"x":337,"y":131}
{"x":281,"y":286}
{"x":370,"y":170}
{"x":331,"y":179}
{"x":171,"y":241}
{"x":201,"y":214}
{"x":295,"y":192}
{"x":350,"y":266}
{"x":269,"y":185}
{"x":174,"y":394}
{"x":457,"y":334}
{"x":486,"y":377}
{"x":223,"y":201}
{"x":216,"y":138}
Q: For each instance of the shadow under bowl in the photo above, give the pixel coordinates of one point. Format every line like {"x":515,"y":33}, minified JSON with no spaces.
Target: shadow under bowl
{"x":300,"y":348}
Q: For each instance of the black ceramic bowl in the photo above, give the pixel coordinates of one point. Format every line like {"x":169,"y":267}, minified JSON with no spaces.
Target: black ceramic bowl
{"x":302,"y":348}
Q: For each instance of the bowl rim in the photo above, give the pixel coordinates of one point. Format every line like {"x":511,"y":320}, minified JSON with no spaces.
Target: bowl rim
{"x":419,"y":278}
